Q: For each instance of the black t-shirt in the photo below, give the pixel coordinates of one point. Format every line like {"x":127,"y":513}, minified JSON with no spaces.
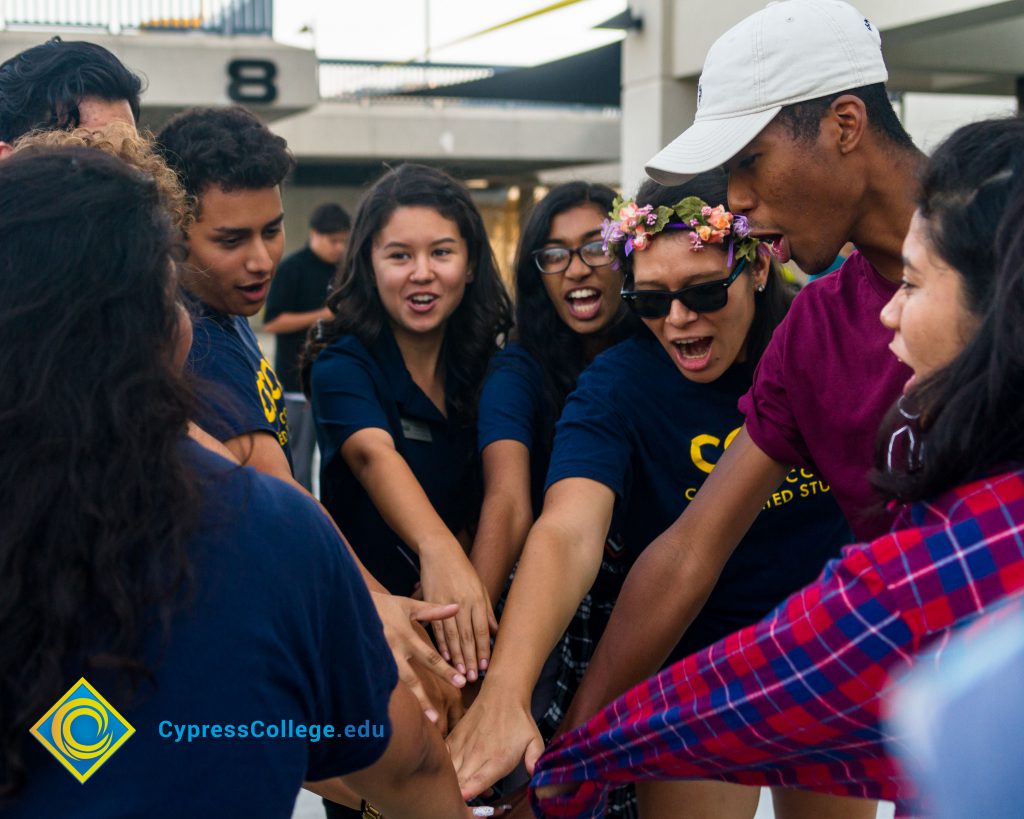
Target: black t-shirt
{"x":299,"y":286}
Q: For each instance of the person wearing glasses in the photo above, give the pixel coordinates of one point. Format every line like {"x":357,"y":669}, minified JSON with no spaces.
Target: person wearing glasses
{"x":568,"y":310}
{"x":647,"y":422}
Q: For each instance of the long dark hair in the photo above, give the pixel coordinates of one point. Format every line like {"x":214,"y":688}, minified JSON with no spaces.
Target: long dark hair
{"x":554,"y":345}
{"x":770,"y":305}
{"x":485,"y":313}
{"x":971,"y":412}
{"x":97,"y":499}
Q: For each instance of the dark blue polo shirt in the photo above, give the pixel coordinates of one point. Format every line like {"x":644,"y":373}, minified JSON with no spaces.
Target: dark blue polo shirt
{"x":513,"y":408}
{"x":353,"y":388}
{"x":279,"y":637}
{"x":238,"y":392}
{"x":638,"y":426}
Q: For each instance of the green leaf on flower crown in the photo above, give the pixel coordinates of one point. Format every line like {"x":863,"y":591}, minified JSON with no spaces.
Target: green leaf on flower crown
{"x":664,"y":216}
{"x":689,"y":208}
{"x":617,"y":203}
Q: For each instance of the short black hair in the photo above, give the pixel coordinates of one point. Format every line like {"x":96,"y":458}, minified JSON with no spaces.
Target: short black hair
{"x":330,"y":218}
{"x":803,"y":119}
{"x":41,"y":87}
{"x":226,"y":147}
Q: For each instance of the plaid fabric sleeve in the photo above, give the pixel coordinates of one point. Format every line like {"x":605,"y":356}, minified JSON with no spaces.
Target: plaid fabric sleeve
{"x":796,"y":699}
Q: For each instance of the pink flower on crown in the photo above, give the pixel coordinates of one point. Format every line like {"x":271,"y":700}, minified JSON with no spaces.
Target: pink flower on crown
{"x":719,"y":218}
{"x":704,"y":232}
{"x":641,"y":238}
{"x":718,"y":236}
{"x":695,"y":242}
{"x":628,"y":216}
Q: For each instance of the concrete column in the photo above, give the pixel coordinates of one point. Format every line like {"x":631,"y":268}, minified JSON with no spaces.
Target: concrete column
{"x":656,"y":106}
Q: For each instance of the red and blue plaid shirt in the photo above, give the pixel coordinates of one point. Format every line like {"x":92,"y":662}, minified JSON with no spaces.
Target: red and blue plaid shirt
{"x":797,"y":700}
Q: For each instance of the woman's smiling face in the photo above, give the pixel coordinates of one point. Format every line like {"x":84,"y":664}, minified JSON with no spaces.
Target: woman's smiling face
{"x":586,"y":298}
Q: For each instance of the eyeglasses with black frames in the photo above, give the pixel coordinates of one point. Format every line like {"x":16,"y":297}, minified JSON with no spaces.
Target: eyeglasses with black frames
{"x":701,"y":298}
{"x":551,"y":260}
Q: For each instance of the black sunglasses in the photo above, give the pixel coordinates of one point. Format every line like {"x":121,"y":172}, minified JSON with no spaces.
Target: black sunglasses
{"x":557,"y":259}
{"x":701,"y":298}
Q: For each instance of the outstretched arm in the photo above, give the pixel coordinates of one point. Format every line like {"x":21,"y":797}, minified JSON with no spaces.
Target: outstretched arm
{"x":792,"y":700}
{"x":447,"y":575}
{"x":506,"y":514}
{"x":560,"y":562}
{"x":672,"y":578}
{"x":401,"y":616}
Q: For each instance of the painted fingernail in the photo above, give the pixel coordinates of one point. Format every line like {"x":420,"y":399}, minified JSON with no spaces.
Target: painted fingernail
{"x":471,"y":675}
{"x":483,"y":664}
{"x":447,"y":656}
{"x":458,"y":680}
{"x":462,"y":668}
{"x":431,"y":714}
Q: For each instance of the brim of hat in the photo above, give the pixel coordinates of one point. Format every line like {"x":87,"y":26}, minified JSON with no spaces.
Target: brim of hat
{"x":705,"y":145}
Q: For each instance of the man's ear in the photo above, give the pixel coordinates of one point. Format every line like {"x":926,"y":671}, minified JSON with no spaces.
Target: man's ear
{"x":851,"y":117}
{"x":6,"y":149}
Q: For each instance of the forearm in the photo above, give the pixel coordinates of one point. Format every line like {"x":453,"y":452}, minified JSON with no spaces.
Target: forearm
{"x":336,"y":790}
{"x":414,"y":779}
{"x":670,"y":582}
{"x":776,"y":703}
{"x":504,"y":524}
{"x":293,"y":322}
{"x":663,"y":593}
{"x":557,"y":569}
{"x":401,"y":501}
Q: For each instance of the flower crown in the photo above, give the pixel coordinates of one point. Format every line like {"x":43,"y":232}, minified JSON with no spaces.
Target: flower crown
{"x":707,"y":225}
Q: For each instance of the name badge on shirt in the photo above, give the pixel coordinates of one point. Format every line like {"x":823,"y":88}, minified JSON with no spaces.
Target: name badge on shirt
{"x":416,"y":431}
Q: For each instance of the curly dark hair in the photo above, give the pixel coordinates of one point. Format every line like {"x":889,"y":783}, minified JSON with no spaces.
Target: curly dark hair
{"x":481,"y":319}
{"x":127,"y":144}
{"x":41,"y":87}
{"x":99,"y":501}
{"x":773,"y":303}
{"x":226,"y":147}
{"x":555,"y":346}
{"x":972,"y":410}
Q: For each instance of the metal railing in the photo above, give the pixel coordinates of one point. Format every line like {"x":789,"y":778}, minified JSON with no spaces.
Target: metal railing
{"x":225,"y":17}
{"x":357,"y":79}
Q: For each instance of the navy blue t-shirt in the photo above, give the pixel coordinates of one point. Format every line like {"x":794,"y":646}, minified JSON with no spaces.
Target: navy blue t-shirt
{"x":269,"y":635}
{"x":638,"y":426}
{"x":513,"y":408}
{"x":241,"y":393}
{"x":352,"y":388}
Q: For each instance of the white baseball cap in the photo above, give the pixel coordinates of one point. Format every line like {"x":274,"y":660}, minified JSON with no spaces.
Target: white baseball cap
{"x":790,"y":51}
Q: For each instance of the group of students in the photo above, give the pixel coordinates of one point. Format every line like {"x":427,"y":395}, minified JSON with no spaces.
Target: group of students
{"x":549,"y":462}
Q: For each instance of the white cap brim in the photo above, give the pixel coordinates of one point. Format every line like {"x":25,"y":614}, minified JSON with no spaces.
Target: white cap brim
{"x":705,"y":145}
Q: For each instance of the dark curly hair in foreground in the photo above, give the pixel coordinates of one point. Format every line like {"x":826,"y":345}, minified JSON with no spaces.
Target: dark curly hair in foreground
{"x":226,"y":147}
{"x":98,"y":501}
{"x":485,"y":313}
{"x":41,"y":87}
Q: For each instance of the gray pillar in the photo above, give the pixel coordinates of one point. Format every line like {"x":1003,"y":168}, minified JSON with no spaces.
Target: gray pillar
{"x":656,"y":107}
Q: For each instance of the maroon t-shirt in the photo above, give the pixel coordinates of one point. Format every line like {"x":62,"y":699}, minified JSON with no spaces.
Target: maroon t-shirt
{"x":824,"y":385}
